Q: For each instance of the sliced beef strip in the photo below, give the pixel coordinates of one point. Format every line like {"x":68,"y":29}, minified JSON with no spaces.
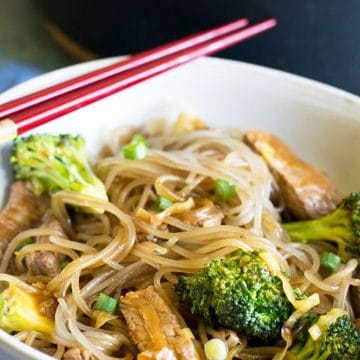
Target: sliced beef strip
{"x":307,"y":192}
{"x":154,"y":328}
{"x":47,"y":304}
{"x":46,"y":262}
{"x":23,"y":210}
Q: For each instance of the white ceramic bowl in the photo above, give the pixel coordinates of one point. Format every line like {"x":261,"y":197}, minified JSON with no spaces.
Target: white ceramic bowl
{"x":321,"y":123}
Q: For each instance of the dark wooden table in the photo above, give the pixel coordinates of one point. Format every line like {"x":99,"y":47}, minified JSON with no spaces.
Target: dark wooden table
{"x":317,"y":39}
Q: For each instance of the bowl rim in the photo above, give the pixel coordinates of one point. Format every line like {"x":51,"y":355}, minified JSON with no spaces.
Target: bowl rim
{"x":79,"y":68}
{"x":8,"y":341}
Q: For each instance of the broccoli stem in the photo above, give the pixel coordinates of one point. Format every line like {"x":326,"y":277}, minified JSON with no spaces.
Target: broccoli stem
{"x":331,"y":336}
{"x":342,"y":226}
{"x":324,"y":356}
{"x":330,"y":227}
{"x":312,"y":230}
{"x":307,"y":350}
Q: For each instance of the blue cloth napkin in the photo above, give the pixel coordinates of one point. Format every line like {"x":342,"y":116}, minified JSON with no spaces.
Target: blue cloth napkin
{"x":12,"y":73}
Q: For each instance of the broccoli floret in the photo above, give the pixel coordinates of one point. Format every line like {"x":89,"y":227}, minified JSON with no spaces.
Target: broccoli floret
{"x":299,"y":294}
{"x":342,"y":226}
{"x":240,"y":293}
{"x":55,"y":162}
{"x":20,"y":311}
{"x":327,"y":337}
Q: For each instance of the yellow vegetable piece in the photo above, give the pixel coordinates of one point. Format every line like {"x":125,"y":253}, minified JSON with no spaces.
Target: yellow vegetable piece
{"x":215,"y":349}
{"x":186,"y":123}
{"x":20,"y":311}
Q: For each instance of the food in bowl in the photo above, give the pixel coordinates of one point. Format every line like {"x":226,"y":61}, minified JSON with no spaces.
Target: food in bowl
{"x":179,"y":242}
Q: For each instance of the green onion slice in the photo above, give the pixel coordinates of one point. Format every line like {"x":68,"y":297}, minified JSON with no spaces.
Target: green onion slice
{"x":136,"y":139}
{"x":162,"y":203}
{"x":106,"y":303}
{"x":330,"y":261}
{"x":224,"y":190}
{"x":136,"y":149}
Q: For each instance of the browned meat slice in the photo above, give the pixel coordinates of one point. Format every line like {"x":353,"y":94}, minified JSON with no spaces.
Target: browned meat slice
{"x":206,"y":214}
{"x":22,"y":211}
{"x":154,"y":328}
{"x":77,"y":354}
{"x":46,"y":262}
{"x":47,"y":304}
{"x":307,"y":192}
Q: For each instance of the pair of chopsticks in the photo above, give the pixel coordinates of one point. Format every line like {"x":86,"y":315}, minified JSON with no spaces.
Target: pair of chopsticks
{"x":28,"y":112}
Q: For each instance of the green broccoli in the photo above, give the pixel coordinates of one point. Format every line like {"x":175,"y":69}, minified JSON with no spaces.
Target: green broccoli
{"x":55,"y":162}
{"x":327,"y":337}
{"x":342,"y":226}
{"x":240,"y":293}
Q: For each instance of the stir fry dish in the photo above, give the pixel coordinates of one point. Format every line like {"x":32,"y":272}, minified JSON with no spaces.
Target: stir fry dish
{"x":178,"y":242}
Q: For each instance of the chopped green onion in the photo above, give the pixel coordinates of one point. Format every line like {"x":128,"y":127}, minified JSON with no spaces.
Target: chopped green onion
{"x":136,"y":139}
{"x":162,"y":203}
{"x":26,"y":242}
{"x":106,"y":303}
{"x":215,"y":349}
{"x":224,"y":191}
{"x":136,"y":149}
{"x":330,"y":261}
{"x":64,"y":264}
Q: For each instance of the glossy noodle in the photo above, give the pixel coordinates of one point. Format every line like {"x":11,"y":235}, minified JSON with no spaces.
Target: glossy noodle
{"x":127,"y":245}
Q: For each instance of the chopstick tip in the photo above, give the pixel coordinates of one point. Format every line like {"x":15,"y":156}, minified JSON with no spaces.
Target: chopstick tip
{"x":8,"y":130}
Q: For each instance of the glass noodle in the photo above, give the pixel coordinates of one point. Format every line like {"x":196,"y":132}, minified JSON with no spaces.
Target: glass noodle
{"x":127,"y":246}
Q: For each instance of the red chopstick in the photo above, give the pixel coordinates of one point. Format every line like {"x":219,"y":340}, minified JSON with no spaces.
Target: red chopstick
{"x":11,"y":107}
{"x":35,"y":116}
